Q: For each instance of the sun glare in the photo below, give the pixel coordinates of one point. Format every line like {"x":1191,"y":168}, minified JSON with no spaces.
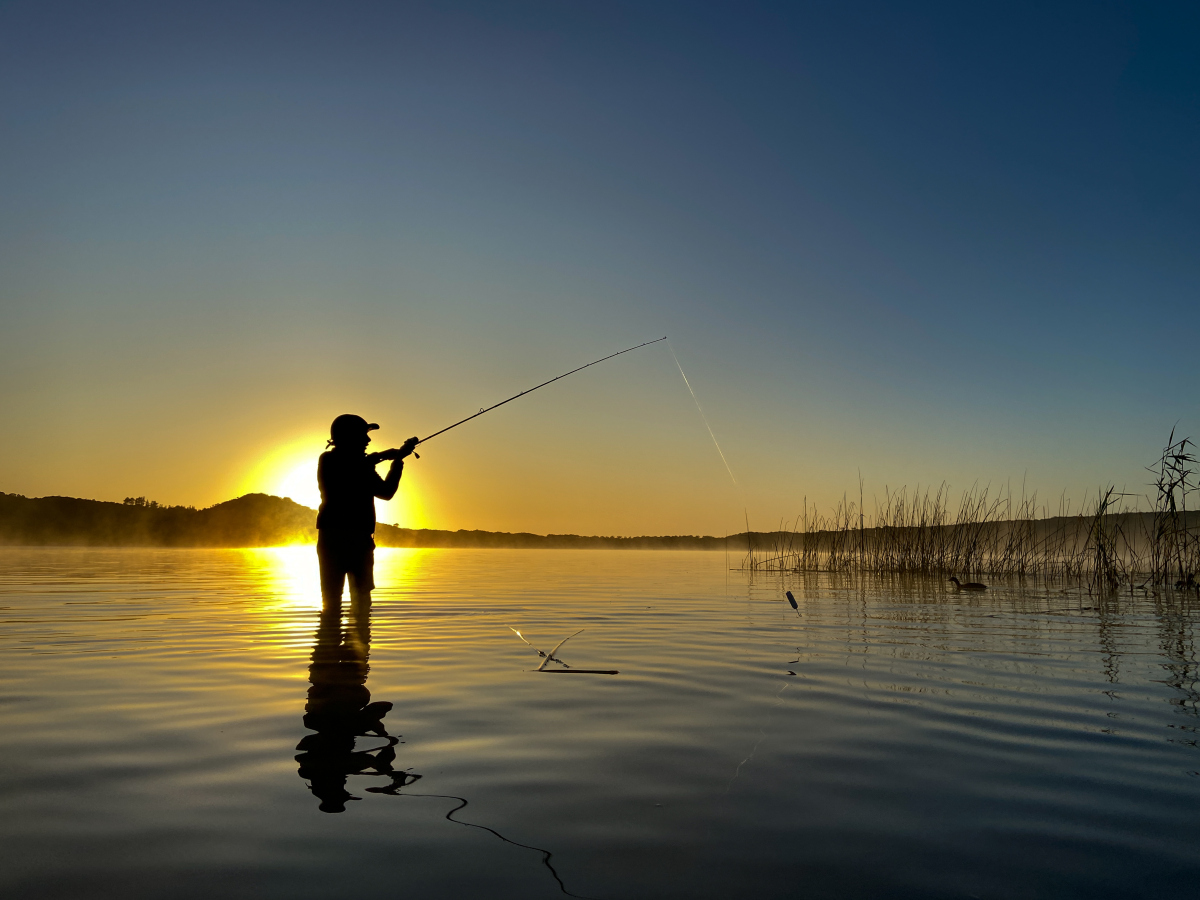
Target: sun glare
{"x":290,"y":470}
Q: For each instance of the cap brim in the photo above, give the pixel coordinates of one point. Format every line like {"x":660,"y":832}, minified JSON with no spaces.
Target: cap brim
{"x":372,"y":427}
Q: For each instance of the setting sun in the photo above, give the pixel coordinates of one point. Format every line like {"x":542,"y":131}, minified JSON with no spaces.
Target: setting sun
{"x":290,"y":470}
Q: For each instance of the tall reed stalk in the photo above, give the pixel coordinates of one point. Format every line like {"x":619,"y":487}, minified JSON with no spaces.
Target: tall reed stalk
{"x":922,"y":531}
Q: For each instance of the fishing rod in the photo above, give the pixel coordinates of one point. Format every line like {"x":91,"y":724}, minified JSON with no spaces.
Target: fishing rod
{"x":532,"y":389}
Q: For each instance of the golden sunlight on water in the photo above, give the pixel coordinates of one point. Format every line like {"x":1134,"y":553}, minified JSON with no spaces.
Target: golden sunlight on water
{"x":290,"y":580}
{"x":189,"y":723}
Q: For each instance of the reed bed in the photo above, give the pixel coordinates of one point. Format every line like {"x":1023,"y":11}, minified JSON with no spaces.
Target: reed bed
{"x":1106,"y":544}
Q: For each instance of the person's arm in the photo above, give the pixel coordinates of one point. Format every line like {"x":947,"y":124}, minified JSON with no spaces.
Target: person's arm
{"x":387,"y":487}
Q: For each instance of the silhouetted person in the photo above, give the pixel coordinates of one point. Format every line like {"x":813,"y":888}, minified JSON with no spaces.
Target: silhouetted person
{"x":339,"y":708}
{"x":346,"y":522}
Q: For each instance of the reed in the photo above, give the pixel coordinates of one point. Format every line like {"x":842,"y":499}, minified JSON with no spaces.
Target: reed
{"x":1173,"y":546}
{"x":924,"y":531}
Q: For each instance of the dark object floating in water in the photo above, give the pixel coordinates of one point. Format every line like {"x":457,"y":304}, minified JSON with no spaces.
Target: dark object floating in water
{"x":579,"y":671}
{"x":792,"y":601}
{"x":790,"y":672}
{"x":969,"y":586}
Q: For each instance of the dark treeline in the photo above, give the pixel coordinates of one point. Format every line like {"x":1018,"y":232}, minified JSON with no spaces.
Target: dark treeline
{"x":259,"y":520}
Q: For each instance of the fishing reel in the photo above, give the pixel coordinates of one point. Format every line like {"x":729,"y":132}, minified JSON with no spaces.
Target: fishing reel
{"x":384,"y":455}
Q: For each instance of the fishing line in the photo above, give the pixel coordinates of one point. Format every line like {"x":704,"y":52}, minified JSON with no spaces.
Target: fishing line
{"x":542,"y":385}
{"x":762,"y":736}
{"x":546,"y":854}
{"x":699,"y":408}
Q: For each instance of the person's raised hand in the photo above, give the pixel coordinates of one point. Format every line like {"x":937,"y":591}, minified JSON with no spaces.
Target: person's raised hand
{"x":407,"y":447}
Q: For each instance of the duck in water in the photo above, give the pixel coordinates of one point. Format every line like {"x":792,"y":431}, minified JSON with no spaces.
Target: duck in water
{"x":969,"y":586}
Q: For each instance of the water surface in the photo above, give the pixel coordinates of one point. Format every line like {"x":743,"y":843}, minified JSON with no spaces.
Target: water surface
{"x":1027,"y":742}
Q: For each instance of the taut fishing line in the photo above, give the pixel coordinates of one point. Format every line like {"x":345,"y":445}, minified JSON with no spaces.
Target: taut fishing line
{"x":543,"y":384}
{"x":700,"y":409}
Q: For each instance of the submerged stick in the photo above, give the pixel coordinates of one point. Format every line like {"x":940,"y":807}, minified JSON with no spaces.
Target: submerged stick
{"x":550,"y":657}
{"x":542,"y":667}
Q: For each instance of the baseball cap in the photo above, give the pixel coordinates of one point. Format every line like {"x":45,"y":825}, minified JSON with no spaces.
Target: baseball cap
{"x":349,"y":425}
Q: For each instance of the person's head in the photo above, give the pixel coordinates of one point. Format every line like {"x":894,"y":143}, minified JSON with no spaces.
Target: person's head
{"x":350,"y":432}
{"x":333,"y":799}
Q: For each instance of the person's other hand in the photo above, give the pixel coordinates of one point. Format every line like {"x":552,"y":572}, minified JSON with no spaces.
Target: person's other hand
{"x":407,"y":447}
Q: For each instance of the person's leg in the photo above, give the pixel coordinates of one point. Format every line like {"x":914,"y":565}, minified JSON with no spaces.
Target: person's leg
{"x":361,"y":571}
{"x":333,"y":573}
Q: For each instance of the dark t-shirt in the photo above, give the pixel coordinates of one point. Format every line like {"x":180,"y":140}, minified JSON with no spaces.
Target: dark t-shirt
{"x":349,"y":485}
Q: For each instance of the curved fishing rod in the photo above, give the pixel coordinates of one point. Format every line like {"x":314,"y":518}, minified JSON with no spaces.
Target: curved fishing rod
{"x":532,"y":389}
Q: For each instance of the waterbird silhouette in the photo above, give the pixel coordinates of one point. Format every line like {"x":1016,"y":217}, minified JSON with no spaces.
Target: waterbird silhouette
{"x":969,"y":586}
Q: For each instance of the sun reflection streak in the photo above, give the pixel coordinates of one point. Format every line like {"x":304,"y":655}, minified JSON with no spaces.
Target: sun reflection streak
{"x":292,"y":578}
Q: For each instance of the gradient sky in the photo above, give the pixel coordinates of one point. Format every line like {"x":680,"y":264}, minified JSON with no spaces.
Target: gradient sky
{"x":924,"y":242}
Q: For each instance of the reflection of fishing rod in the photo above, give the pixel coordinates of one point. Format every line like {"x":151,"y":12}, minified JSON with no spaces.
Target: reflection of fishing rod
{"x":532,"y":389}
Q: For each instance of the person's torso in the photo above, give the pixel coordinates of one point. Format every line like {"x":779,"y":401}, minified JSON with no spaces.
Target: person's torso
{"x":348,"y":484}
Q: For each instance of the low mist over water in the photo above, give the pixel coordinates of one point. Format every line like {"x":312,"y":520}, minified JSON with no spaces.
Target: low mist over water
{"x":888,"y":738}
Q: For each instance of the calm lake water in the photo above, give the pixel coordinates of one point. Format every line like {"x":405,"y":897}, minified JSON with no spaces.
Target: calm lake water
{"x":1027,"y":742}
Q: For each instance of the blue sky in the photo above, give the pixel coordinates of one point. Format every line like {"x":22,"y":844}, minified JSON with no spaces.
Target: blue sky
{"x":922,"y":242}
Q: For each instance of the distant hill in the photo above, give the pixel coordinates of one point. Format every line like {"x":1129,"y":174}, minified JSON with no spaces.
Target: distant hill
{"x":258,"y":520}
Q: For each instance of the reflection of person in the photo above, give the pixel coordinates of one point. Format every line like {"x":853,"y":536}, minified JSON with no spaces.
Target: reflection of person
{"x":339,"y":709}
{"x":349,"y":485}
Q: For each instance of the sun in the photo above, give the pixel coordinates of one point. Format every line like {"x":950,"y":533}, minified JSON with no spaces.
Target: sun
{"x":299,"y":483}
{"x":290,"y":470}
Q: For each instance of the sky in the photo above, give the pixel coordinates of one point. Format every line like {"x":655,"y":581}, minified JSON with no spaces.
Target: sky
{"x":904,"y":243}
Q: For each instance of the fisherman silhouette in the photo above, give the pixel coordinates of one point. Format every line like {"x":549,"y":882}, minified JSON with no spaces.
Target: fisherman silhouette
{"x":346,"y":521}
{"x":339,"y":707}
